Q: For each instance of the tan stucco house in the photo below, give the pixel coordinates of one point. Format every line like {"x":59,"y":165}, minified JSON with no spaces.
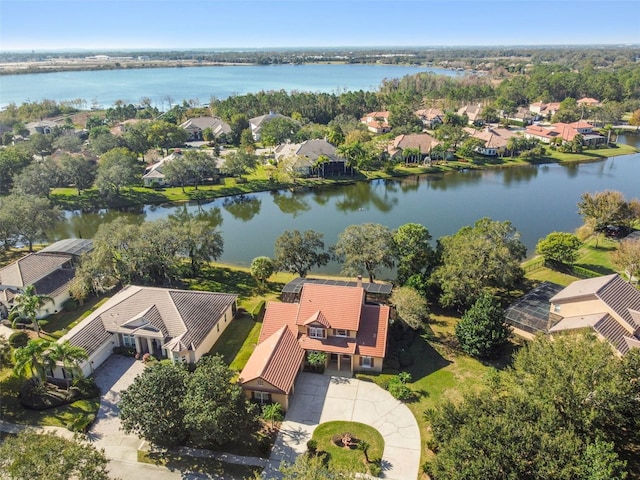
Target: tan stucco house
{"x":180,"y":325}
{"x":333,"y":319}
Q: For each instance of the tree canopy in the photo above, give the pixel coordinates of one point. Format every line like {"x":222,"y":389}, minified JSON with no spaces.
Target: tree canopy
{"x":50,"y":457}
{"x":559,"y":247}
{"x":563,"y":411}
{"x":478,"y":259}
{"x":627,"y":258}
{"x":415,"y":254}
{"x":298,"y":252}
{"x":482,"y":331}
{"x":367,"y":247}
{"x":411,"y":307}
{"x":608,"y":207}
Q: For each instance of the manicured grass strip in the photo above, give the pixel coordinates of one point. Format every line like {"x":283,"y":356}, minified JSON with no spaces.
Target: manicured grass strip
{"x":207,"y":466}
{"x":348,"y":459}
{"x":238,"y":341}
{"x":59,"y":324}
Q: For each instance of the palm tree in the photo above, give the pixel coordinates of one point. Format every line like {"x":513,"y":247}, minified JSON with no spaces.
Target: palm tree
{"x":32,"y":359}
{"x":26,"y":306}
{"x":67,"y":354}
{"x":512,"y":145}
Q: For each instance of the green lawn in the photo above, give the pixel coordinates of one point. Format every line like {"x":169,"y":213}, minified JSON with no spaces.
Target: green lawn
{"x":55,"y":326}
{"x":238,"y":341}
{"x":343,"y":458}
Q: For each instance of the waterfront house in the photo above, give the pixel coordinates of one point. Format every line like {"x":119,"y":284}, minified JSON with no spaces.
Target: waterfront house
{"x":565,"y":132}
{"x":332,"y":319}
{"x":180,"y":325}
{"x":494,"y":140}
{"x":303,"y":158}
{"x":257,"y":123}
{"x":412,"y":148}
{"x":607,"y":306}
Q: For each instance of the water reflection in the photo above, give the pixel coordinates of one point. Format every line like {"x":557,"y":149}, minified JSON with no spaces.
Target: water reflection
{"x":242,"y":207}
{"x":85,"y":224}
{"x":212,"y":216}
{"x":290,"y":202}
{"x":363,"y":195}
{"x":514,"y":175}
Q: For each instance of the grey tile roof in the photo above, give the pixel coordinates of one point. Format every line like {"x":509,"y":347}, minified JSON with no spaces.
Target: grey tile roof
{"x":31,"y":268}
{"x":55,"y":283}
{"x":615,"y":333}
{"x":91,"y":337}
{"x":621,"y":297}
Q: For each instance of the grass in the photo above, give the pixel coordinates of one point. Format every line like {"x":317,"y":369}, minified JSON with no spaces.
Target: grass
{"x":13,"y":412}
{"x":238,"y":341}
{"x":211,"y":467}
{"x":55,"y":326}
{"x":348,"y":459}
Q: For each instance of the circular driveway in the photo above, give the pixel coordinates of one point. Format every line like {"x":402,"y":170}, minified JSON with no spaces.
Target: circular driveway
{"x":321,"y":398}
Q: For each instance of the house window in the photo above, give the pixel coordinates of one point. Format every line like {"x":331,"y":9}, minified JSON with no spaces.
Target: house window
{"x":262,"y":397}
{"x":341,"y":333}
{"x":260,"y":382}
{"x":317,"y":332}
{"x":556,"y":309}
{"x":367,"y":362}
{"x":128,"y":340}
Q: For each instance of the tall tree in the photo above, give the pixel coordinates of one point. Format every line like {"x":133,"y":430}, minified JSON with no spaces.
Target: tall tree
{"x":38,"y":178}
{"x":68,"y":355}
{"x":298,"y":252}
{"x":50,"y":457}
{"x":605,"y":208}
{"x":13,"y":159}
{"x":200,"y":240}
{"x":117,"y":168}
{"x":626,"y":258}
{"x":415,"y":254}
{"x":559,"y":247}
{"x":262,"y":268}
{"x":78,"y":170}
{"x":478,"y":259}
{"x":32,"y":217}
{"x":410,"y":306}
{"x":165,"y":135}
{"x":239,"y":163}
{"x":366,"y":247}
{"x":216,"y":410}
{"x":482,"y":331}
{"x":160,"y":421}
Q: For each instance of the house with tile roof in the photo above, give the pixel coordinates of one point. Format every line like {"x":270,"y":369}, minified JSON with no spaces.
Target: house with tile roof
{"x":332,"y":319}
{"x":473,"y":113}
{"x":421,"y":143}
{"x":377,"y":122}
{"x":256,"y":123}
{"x":302,"y":158}
{"x":565,"y":132}
{"x":608,"y":306}
{"x":50,"y":271}
{"x":494,"y":140}
{"x":180,"y":325}
{"x":195,"y":126}
{"x":430,"y":117}
{"x":588,"y":102}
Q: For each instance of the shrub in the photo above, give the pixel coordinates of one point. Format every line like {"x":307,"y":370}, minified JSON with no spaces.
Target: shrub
{"x":398,"y":388}
{"x":375,"y":467}
{"x":126,"y":351}
{"x":70,"y":305}
{"x":18,"y":339}
{"x":80,"y":423}
{"x":312,"y":446}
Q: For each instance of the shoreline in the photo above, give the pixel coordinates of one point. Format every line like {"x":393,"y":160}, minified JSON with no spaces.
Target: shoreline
{"x":135,"y":197}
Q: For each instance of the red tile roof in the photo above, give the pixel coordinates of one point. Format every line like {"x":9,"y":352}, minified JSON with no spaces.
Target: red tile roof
{"x":341,"y":306}
{"x":372,"y":336}
{"x":276,"y":315}
{"x":276,"y":361}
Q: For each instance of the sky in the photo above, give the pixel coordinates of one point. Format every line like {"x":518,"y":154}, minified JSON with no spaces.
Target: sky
{"x":45,"y":25}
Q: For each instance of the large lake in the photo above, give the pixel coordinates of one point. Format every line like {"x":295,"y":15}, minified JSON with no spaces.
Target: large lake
{"x":536,"y":199}
{"x":104,"y":87}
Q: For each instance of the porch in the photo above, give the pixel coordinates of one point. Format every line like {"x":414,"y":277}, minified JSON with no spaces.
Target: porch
{"x":340,"y":365}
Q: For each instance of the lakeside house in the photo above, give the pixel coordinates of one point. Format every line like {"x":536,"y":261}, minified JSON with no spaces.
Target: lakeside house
{"x":180,"y":325}
{"x":565,"y":132}
{"x":50,"y":271}
{"x":412,"y":148}
{"x":303,"y":158}
{"x":494,"y":140}
{"x":608,"y":306}
{"x":256,"y":123}
{"x":331,"y":318}
{"x":154,"y":175}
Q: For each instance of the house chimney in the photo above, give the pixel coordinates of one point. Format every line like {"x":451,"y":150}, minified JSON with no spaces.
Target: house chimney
{"x":359,"y":284}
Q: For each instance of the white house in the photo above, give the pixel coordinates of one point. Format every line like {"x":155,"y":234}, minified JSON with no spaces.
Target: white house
{"x":180,"y":325}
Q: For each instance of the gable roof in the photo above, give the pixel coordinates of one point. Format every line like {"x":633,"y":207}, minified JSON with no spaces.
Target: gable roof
{"x":256,"y":122}
{"x":31,"y":268}
{"x":216,"y":124}
{"x":276,"y":360}
{"x":429,"y":113}
{"x":342,"y":314}
{"x":371,"y":338}
{"x":311,"y":149}
{"x":167,"y":314}
{"x":492,"y":137}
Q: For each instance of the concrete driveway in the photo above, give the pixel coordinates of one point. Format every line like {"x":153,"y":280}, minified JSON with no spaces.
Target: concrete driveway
{"x":320,"y":398}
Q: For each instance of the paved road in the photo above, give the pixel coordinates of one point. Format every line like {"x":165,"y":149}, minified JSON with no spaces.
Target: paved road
{"x":319,"y":399}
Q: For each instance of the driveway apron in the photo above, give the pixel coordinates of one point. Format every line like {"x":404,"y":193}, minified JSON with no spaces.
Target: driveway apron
{"x":319,"y":399}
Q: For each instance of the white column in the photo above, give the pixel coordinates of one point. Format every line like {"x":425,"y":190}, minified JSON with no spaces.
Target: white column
{"x":150,"y":345}
{"x":138,"y":348}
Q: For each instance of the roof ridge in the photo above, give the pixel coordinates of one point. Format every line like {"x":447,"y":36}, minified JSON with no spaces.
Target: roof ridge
{"x":280,"y":333}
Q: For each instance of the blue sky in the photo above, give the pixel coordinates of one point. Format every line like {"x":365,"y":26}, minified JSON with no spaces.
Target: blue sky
{"x":216,"y":24}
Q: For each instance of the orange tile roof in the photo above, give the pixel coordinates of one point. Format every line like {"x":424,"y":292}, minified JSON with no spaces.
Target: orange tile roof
{"x":331,"y":344}
{"x":277,"y":315}
{"x":276,"y":361}
{"x":372,"y":336}
{"x":341,"y":306}
{"x":317,"y":317}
